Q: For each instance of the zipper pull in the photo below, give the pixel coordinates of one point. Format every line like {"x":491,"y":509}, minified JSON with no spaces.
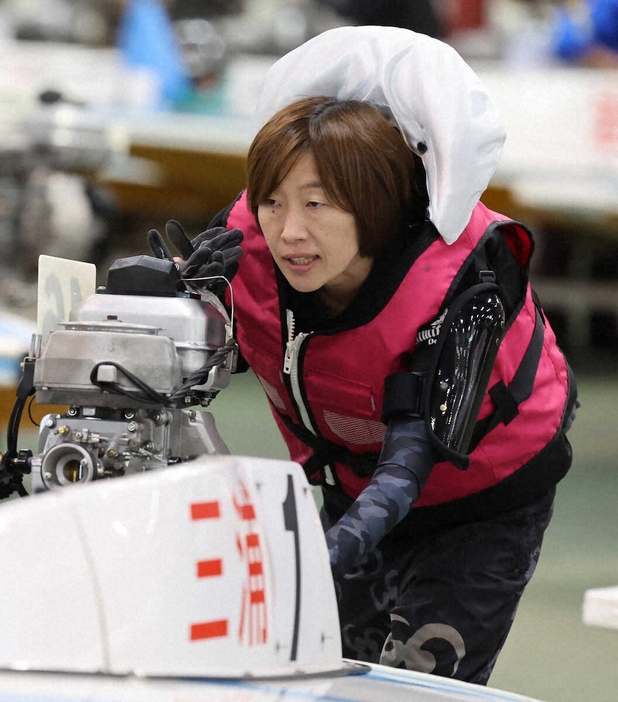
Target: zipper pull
{"x":292,"y":349}
{"x":289,"y":358}
{"x":289,"y":347}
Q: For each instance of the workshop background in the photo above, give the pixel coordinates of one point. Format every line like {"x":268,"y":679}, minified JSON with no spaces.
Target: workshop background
{"x":116,"y":115}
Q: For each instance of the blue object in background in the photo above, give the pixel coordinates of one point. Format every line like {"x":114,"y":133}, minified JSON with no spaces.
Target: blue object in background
{"x":604,"y":16}
{"x":573,"y":36}
{"x":578,"y":30}
{"x":146,"y":38}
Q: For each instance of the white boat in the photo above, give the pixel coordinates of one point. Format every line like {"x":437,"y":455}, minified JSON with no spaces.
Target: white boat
{"x":208,"y":581}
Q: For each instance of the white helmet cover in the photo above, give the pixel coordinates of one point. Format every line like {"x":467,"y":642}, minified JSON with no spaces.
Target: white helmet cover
{"x":437,"y":101}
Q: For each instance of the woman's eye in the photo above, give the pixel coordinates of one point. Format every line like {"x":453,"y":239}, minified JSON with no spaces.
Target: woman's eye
{"x":313,"y":204}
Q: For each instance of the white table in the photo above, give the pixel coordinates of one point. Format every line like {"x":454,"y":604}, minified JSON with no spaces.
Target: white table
{"x":601,"y":607}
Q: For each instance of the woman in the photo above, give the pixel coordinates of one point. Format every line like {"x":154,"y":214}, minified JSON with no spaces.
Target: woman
{"x":388,"y":316}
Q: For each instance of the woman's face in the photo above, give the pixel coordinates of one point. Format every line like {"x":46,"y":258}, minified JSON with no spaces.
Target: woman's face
{"x":314,"y":242}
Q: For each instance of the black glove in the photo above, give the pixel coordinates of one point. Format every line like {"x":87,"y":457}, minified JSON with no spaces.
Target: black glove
{"x":214,"y":252}
{"x":158,"y":246}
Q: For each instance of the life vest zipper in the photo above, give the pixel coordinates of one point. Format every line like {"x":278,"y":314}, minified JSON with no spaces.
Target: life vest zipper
{"x":291,"y":368}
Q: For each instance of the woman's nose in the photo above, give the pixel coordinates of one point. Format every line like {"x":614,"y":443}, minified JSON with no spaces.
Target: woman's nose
{"x":293,"y":228}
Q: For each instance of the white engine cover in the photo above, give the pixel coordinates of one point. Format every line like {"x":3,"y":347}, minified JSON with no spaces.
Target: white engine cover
{"x":216,"y":567}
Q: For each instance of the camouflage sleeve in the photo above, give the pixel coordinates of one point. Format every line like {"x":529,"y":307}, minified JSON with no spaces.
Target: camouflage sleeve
{"x":405,"y":463}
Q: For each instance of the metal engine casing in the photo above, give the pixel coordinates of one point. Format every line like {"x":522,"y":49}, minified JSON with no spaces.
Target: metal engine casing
{"x":161,"y":341}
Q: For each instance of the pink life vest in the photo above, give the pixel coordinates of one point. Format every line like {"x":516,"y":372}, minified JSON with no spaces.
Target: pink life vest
{"x":341,"y":376}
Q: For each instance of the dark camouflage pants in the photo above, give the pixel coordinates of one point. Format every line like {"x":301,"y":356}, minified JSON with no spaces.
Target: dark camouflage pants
{"x":444,"y":604}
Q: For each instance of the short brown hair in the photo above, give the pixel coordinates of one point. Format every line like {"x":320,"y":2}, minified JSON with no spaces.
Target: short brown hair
{"x":363,"y":163}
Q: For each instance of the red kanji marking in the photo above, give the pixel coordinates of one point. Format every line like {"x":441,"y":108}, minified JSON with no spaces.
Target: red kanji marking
{"x":207,"y":569}
{"x":252,"y":627}
{"x":243,"y":611}
{"x":256,"y":568}
{"x":247,"y":513}
{"x":257,"y":597}
{"x":209,"y":630}
{"x":205,"y":510}
{"x":255,"y":603}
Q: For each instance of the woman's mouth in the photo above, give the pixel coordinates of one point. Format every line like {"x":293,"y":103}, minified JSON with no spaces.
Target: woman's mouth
{"x":301,"y":264}
{"x":301,"y":260}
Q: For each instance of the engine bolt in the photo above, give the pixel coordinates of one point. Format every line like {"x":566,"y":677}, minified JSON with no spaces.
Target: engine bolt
{"x":63,"y":430}
{"x":129,"y":414}
{"x":132,"y":426}
{"x":112,"y":453}
{"x":50,"y":423}
{"x":160,"y":418}
{"x":72,"y":411}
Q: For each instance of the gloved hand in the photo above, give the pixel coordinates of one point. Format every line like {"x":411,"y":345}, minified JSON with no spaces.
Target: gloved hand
{"x":212,"y":254}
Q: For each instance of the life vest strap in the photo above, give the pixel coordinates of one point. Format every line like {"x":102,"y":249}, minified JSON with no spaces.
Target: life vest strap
{"x":508,"y":398}
{"x":327,"y":452}
{"x":404,"y":394}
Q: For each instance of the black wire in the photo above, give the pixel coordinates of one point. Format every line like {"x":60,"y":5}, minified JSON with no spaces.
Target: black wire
{"x":149,"y":394}
{"x":13,"y":426}
{"x":200,"y":376}
{"x":32,"y":419}
{"x":25,"y":388}
{"x":11,"y":478}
